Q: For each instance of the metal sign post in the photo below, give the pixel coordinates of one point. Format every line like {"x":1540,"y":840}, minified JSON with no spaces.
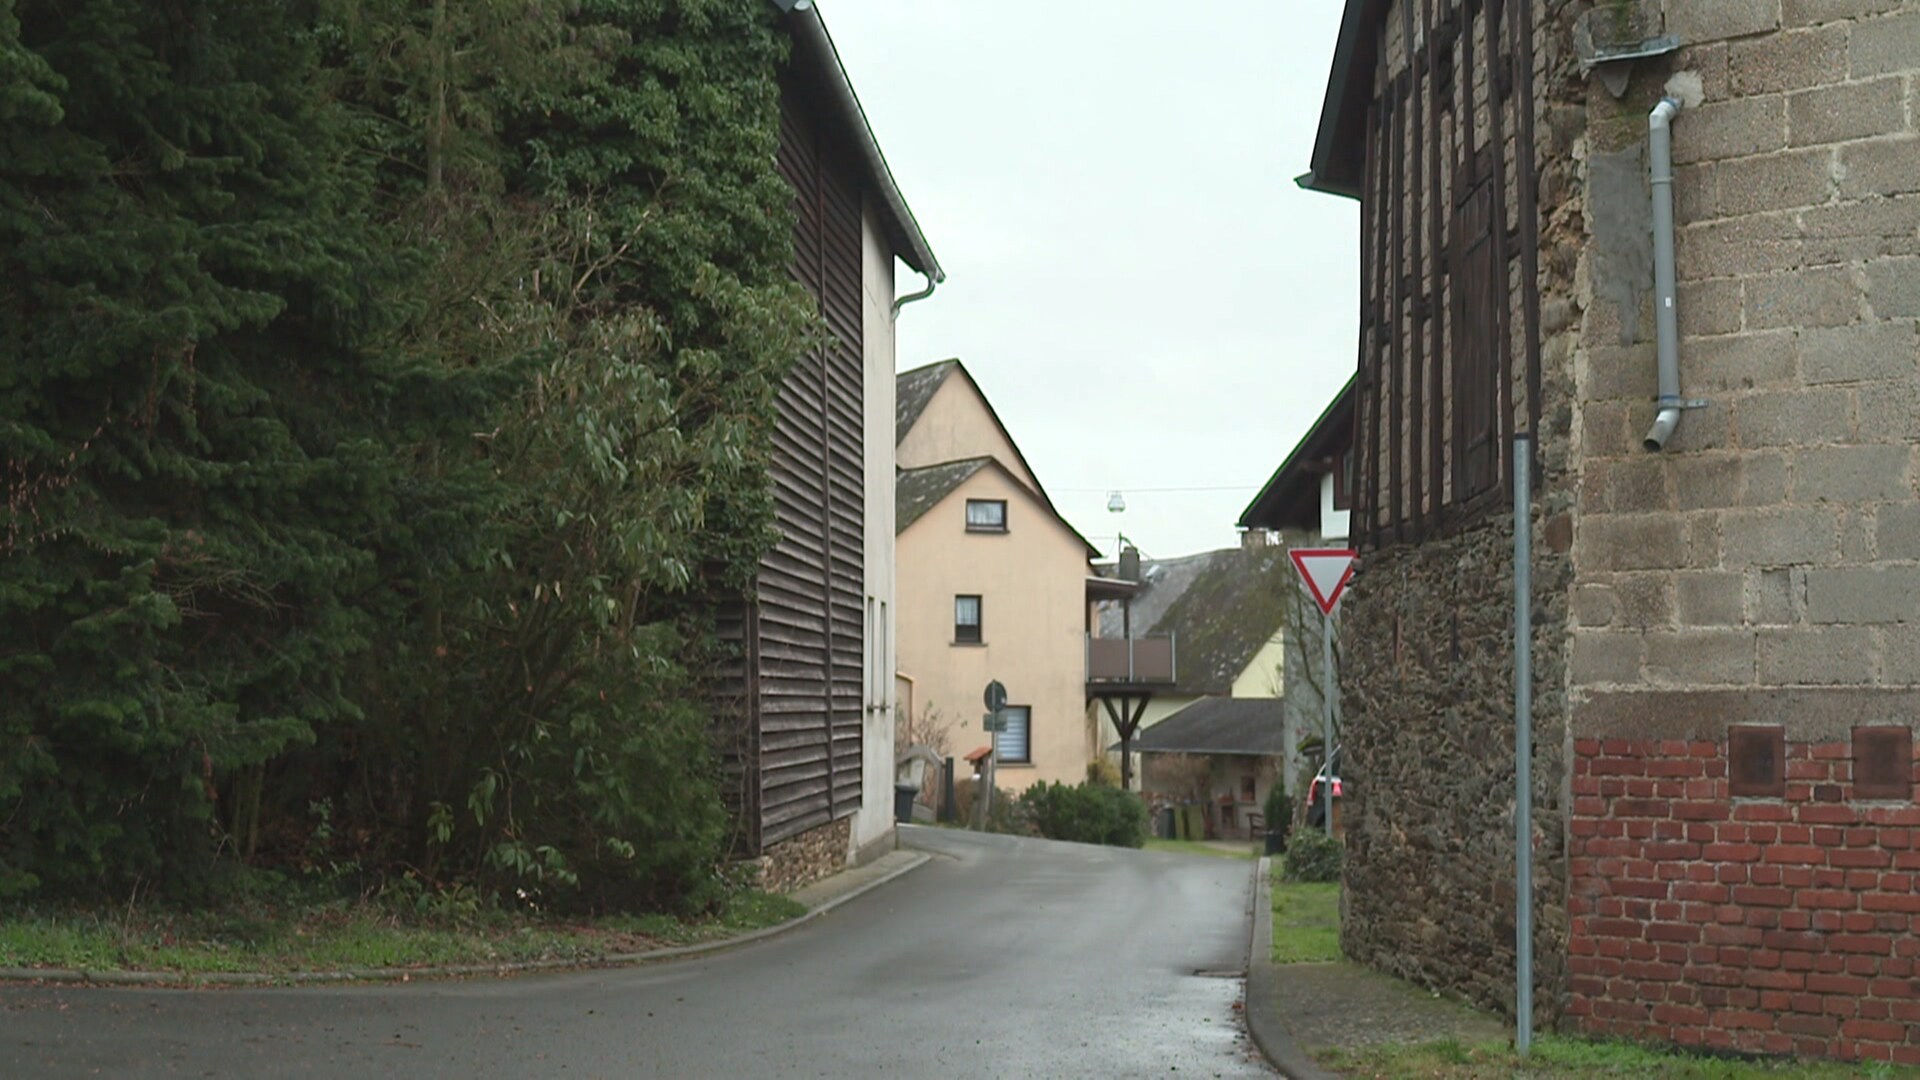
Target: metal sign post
{"x":995,"y":721}
{"x":1326,"y":713}
{"x":1523,"y":741}
{"x":1326,"y":572}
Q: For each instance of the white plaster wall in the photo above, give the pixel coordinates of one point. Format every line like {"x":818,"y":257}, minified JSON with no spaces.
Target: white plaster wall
{"x":1333,"y":523}
{"x":873,"y":822}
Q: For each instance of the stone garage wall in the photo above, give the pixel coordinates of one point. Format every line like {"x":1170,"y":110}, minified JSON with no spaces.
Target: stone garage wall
{"x":1427,"y":699}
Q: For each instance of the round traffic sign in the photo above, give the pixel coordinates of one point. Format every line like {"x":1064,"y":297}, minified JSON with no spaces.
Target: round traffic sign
{"x":996,"y":696}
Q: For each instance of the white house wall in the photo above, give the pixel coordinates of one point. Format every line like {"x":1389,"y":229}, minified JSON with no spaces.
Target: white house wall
{"x":1333,"y":523}
{"x":873,"y":823}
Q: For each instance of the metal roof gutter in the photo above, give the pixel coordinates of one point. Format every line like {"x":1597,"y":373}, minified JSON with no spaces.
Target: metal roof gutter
{"x":1333,"y":172}
{"x":815,"y":46}
{"x":1296,"y":460}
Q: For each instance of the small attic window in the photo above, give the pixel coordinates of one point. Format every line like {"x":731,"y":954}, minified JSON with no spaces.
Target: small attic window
{"x":987,"y":515}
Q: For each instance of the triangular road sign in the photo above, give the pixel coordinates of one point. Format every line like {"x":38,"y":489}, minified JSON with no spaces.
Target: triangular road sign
{"x":1325,"y":571}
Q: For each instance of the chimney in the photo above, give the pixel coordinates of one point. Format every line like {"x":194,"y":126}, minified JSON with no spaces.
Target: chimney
{"x":1130,"y":563}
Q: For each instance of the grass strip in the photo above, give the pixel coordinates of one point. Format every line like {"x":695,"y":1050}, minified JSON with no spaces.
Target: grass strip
{"x":1558,"y":1058}
{"x":1306,"y":920}
{"x":278,"y":940}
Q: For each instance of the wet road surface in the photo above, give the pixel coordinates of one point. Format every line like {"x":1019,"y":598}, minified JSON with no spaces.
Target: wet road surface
{"x":1001,"y":958}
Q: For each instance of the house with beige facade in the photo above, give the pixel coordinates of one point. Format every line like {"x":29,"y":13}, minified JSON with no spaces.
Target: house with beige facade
{"x":992,"y":584}
{"x":1674,"y":247}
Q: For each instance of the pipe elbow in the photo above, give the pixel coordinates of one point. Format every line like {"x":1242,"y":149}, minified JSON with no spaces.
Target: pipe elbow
{"x":1663,"y":113}
{"x":1663,"y":424}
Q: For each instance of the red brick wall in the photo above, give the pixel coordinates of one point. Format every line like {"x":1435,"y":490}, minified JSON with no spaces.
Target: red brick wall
{"x":1785,"y":925}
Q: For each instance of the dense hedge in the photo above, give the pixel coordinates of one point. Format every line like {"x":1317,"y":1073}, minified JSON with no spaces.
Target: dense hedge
{"x":1312,"y":855}
{"x":384,"y":394}
{"x":1089,"y":814}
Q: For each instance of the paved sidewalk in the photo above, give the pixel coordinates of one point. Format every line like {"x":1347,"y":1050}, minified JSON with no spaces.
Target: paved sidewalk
{"x":820,"y":898}
{"x":1295,"y":1009}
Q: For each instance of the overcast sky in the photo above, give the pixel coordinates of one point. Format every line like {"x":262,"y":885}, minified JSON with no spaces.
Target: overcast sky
{"x":1133,"y":278}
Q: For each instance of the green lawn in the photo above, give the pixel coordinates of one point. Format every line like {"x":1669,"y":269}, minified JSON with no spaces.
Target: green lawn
{"x":283,"y":940}
{"x":1555,"y":1058}
{"x":1306,"y":920}
{"x":1196,"y":847}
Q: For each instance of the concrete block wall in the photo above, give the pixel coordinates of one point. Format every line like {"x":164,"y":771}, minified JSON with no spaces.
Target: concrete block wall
{"x":1775,"y":544}
{"x":1766,"y":567}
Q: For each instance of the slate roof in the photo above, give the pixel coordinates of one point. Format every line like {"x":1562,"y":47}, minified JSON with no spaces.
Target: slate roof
{"x":1233,"y":606}
{"x":1218,"y":725}
{"x":1163,"y":581}
{"x":911,"y":392}
{"x":917,"y":491}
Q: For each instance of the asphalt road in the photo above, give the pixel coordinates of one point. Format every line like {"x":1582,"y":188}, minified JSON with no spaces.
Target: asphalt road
{"x":1000,"y":958}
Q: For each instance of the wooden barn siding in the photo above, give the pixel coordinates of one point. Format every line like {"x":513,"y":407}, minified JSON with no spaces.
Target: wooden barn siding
{"x":794,"y":761}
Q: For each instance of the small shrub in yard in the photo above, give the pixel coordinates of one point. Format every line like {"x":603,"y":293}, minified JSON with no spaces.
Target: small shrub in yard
{"x":1008,"y":815}
{"x":1088,"y":814}
{"x":1313,"y":856}
{"x":1278,"y":811}
{"x":1104,"y":773}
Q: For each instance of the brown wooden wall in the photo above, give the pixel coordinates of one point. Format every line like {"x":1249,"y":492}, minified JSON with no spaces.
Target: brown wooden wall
{"x":795,"y":761}
{"x":1449,"y":335}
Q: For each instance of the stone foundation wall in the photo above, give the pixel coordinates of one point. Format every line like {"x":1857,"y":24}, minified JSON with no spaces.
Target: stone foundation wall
{"x":1427,"y":696}
{"x":1767,"y":925}
{"x":804,"y":859}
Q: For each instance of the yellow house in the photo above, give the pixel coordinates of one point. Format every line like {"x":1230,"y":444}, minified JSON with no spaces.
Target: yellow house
{"x":991,"y":584}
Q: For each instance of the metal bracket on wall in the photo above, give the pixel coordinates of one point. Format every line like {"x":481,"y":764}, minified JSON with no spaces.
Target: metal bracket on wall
{"x":1682,"y":403}
{"x":1611,"y":39}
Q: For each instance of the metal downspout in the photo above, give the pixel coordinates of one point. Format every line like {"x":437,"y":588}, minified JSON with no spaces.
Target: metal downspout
{"x":932,"y":284}
{"x":1666,"y":320}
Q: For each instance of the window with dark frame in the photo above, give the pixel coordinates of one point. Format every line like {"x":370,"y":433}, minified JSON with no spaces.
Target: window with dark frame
{"x":987,"y":515}
{"x":966,"y":620}
{"x":1014,"y":746}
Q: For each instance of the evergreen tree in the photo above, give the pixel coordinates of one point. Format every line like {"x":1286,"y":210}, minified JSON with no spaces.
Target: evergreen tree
{"x":188,"y":425}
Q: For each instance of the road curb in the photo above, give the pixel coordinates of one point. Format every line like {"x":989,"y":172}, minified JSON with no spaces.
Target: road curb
{"x":83,"y":977}
{"x":1263,"y":988}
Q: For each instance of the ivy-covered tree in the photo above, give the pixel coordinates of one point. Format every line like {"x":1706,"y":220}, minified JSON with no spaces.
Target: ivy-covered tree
{"x":613,"y":236}
{"x":188,"y":425}
{"x":384,"y":400}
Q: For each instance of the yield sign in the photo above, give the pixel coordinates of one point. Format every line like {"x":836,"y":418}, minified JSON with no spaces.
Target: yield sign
{"x":1325,"y":571}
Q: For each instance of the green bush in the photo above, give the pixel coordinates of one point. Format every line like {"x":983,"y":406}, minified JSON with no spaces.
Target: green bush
{"x":1008,"y":815}
{"x":1278,"y":810}
{"x":1313,"y":856}
{"x":1087,"y":814}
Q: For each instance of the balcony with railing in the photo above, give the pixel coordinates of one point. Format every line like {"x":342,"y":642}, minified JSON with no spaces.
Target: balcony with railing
{"x":1114,"y":663}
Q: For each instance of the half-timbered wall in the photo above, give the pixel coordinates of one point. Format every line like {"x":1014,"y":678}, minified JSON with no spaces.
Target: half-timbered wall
{"x":1449,"y":355}
{"x":794,"y":763}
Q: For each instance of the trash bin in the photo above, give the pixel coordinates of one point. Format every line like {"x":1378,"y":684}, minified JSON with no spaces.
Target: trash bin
{"x":903,"y":796}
